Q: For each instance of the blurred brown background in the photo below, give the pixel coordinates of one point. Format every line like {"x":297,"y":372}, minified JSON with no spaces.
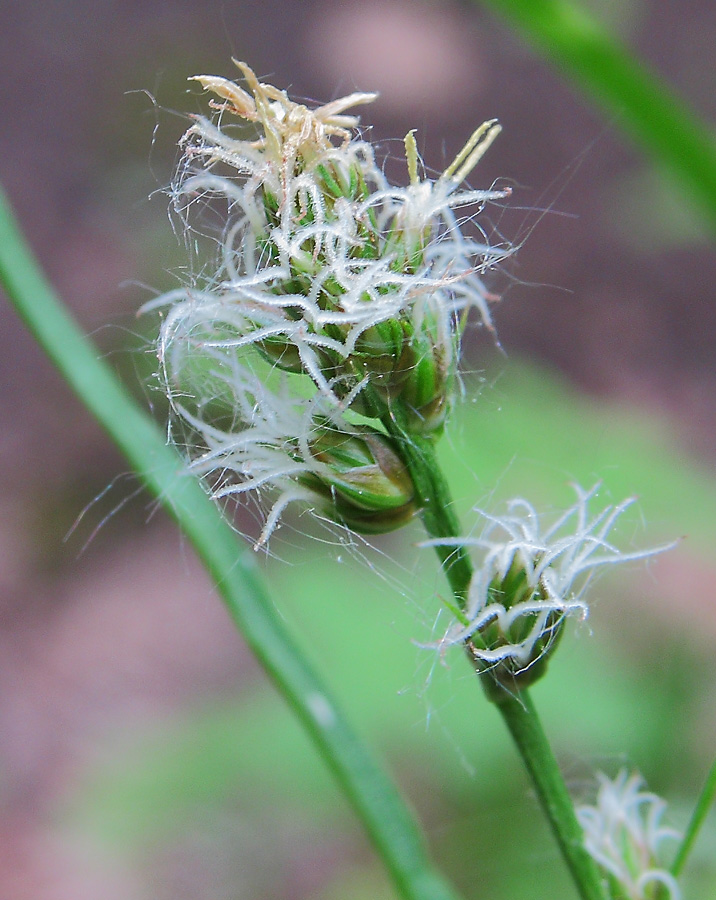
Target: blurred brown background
{"x":614,"y":287}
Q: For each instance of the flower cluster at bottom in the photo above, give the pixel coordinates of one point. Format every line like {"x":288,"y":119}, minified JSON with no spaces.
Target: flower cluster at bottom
{"x":623,"y":833}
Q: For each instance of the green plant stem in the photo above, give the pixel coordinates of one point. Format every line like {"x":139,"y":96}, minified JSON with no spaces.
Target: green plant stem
{"x":646,"y":108}
{"x":434,"y":501}
{"x":703,"y":805}
{"x":373,"y":796}
{"x":526,"y":729}
{"x":517,"y":709}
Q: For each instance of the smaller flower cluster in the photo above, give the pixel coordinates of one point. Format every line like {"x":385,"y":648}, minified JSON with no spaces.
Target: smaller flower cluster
{"x":253,"y":425}
{"x":337,"y":298}
{"x":529,"y":580}
{"x":624,"y":834}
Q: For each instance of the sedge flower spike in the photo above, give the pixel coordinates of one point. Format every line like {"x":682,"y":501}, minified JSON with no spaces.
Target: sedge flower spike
{"x":624,"y":835}
{"x":328,"y":277}
{"x":528,"y":581}
{"x":257,"y":433}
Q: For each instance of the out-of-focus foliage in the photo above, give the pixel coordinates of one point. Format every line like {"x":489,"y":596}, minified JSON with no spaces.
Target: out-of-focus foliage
{"x":647,"y":109}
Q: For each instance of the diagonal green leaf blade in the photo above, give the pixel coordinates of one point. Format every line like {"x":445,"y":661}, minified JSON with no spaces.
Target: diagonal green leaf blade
{"x":646,"y":108}
{"x":373,"y":796}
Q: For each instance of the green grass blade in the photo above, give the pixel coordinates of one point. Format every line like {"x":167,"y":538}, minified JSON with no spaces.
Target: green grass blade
{"x":653,"y":114}
{"x":372,"y":795}
{"x":701,"y":810}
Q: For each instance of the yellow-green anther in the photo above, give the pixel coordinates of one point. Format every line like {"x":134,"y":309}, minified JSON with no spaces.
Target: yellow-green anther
{"x":412,"y":156}
{"x":473,"y":151}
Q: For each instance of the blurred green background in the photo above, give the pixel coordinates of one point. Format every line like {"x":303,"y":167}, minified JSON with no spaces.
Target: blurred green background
{"x":142,"y":755}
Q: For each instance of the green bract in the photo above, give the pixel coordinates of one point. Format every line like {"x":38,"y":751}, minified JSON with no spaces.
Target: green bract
{"x":364,"y":479}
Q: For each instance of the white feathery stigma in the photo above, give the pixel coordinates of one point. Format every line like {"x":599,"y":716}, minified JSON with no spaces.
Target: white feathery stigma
{"x":624,"y":835}
{"x":528,"y":578}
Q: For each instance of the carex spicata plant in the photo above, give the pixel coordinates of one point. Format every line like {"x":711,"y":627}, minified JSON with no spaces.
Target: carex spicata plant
{"x":316,"y":361}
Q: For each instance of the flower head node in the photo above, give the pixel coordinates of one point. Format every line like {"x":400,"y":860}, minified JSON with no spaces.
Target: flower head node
{"x":529,"y":580}
{"x":325,"y":270}
{"x":624,"y":834}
